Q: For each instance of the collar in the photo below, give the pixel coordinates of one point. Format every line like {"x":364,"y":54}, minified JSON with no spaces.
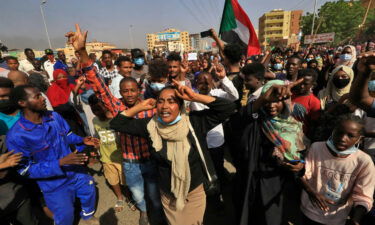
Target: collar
{"x":29,"y":126}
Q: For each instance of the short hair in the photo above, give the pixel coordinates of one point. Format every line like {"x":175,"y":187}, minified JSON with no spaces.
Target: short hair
{"x":122,"y":59}
{"x":254,"y":69}
{"x":106,"y":52}
{"x":233,"y":53}
{"x":308,"y":73}
{"x":158,"y":68}
{"x":295,"y":57}
{"x":93,"y":100}
{"x":174,"y":56}
{"x":312,"y":61}
{"x":128,"y":79}
{"x":19,"y":93}
{"x":353,"y":118}
{"x":37,"y":80}
{"x":10,"y":58}
{"x":6,"y":83}
{"x":27,"y":49}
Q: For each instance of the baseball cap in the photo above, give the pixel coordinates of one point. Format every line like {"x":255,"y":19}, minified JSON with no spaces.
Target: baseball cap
{"x":136,"y":52}
{"x":48,"y":51}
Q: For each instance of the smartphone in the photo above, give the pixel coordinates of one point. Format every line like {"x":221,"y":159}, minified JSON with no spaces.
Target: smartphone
{"x":206,"y":33}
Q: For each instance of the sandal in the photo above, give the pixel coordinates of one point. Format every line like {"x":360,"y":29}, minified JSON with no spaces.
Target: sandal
{"x":131,"y":205}
{"x":119,"y":206}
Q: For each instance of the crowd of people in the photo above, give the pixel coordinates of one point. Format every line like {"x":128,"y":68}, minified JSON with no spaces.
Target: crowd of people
{"x":297,"y":124}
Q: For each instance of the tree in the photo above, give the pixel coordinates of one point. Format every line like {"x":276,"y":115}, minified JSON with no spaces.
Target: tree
{"x":341,"y":17}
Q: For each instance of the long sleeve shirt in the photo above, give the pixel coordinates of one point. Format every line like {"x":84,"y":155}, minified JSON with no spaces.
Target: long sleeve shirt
{"x":42,"y":146}
{"x":215,"y":137}
{"x":346,"y":181}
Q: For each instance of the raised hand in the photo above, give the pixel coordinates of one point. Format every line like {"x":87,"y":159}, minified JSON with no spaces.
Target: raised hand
{"x":184,"y":92}
{"x":280,"y":92}
{"x":77,"y":39}
{"x":184,"y":66}
{"x":147,"y":104}
{"x":81,"y":80}
{"x":220,"y":71}
{"x":366,"y":62}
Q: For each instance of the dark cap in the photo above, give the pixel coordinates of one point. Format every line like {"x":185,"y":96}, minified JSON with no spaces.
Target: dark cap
{"x":136,"y":52}
{"x":48,"y":51}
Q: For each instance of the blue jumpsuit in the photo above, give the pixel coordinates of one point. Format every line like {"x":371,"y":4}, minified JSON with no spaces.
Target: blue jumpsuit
{"x":42,"y":146}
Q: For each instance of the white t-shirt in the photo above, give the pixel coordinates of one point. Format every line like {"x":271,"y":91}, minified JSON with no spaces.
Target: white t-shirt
{"x":48,"y":66}
{"x":215,"y":137}
{"x":26,"y":66}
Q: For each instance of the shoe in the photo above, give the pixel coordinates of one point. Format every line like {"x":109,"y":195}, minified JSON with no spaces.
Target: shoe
{"x":143,"y":219}
{"x":92,"y":221}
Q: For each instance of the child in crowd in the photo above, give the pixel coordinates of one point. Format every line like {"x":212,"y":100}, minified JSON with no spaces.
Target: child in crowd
{"x":109,"y":149}
{"x":125,"y":66}
{"x":339,"y":178}
{"x":303,"y":95}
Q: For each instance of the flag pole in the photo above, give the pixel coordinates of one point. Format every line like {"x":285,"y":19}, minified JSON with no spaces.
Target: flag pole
{"x":221,"y":22}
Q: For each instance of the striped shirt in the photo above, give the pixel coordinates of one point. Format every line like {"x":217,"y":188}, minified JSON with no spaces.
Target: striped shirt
{"x":134,"y":148}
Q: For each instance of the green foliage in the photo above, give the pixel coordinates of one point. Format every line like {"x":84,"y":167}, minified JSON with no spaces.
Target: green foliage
{"x":341,"y":17}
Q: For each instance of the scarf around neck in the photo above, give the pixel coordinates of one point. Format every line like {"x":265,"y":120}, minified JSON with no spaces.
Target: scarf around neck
{"x":178,"y":148}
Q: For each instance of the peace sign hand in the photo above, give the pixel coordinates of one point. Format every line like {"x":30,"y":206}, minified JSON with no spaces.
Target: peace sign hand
{"x":184,"y":92}
{"x":77,"y":39}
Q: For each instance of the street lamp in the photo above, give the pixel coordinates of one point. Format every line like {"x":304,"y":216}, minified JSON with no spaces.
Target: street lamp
{"x":42,"y":2}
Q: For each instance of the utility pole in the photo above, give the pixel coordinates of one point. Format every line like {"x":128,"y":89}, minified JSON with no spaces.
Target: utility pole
{"x":42,"y":2}
{"x":312,"y":26}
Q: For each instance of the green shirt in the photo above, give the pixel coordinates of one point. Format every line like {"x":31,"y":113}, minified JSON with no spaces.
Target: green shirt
{"x":109,"y":148}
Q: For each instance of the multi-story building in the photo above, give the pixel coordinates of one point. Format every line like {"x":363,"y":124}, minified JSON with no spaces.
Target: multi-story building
{"x":279,"y":27}
{"x":91,"y":47}
{"x":195,"y":42}
{"x":169,"y":39}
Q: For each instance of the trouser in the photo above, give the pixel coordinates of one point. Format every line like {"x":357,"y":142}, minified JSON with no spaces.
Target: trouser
{"x":61,"y":201}
{"x":217,"y":156}
{"x":141,"y":178}
{"x":191,"y":214}
{"x":23,"y":215}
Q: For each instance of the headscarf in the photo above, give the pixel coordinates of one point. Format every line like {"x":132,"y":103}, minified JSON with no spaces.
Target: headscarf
{"x":59,"y":92}
{"x":352,"y":60}
{"x":285,"y":130}
{"x":178,"y":148}
{"x":331,"y":91}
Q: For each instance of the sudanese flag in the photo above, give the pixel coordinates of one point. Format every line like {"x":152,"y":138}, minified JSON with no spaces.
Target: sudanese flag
{"x":236,"y":27}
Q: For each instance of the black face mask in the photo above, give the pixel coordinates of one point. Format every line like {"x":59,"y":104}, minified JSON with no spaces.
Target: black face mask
{"x":7,"y":107}
{"x":340,"y":83}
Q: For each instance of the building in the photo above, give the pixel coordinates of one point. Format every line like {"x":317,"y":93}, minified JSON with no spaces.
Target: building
{"x":279,"y":28}
{"x":195,"y":42}
{"x":91,"y":47}
{"x":169,"y":39}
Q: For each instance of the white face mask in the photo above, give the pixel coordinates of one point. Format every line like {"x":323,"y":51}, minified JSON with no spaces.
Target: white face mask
{"x":348,"y":151}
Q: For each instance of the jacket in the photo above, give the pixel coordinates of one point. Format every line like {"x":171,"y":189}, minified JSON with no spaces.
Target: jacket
{"x":42,"y":146}
{"x":201,"y":121}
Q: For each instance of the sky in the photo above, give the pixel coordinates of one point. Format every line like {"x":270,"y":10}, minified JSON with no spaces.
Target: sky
{"x":21,"y":23}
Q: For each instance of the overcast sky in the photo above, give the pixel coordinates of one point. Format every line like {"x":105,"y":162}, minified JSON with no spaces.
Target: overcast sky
{"x":21,"y":23}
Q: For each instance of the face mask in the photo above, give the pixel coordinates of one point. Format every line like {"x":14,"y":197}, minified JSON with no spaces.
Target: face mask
{"x":371,"y":86}
{"x":278,"y":66}
{"x":308,"y":59}
{"x":345,"y":57}
{"x":63,"y":83}
{"x":157,"y":86}
{"x":317,"y":58}
{"x":178,"y":118}
{"x":348,"y":151}
{"x":7,"y":107}
{"x":139,"y":61}
{"x":340,"y":83}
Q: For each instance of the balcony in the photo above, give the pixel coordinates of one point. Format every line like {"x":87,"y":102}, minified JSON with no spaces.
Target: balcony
{"x":275,"y":21}
{"x":273,"y":28}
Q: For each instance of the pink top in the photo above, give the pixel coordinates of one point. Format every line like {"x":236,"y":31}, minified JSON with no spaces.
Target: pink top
{"x":347,"y":181}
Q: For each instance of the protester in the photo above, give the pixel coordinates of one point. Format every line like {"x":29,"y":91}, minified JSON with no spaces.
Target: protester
{"x":181,"y":172}
{"x":125,"y":68}
{"x":12,"y":63}
{"x":109,"y":70}
{"x":339,"y":84}
{"x":38,"y":81}
{"x":27,"y":65}
{"x":176,"y":69}
{"x":158,"y":71}
{"x":18,"y":77}
{"x":348,"y":56}
{"x":338,"y":177}
{"x":9,"y":113}
{"x":140,"y":70}
{"x":49,"y":63}
{"x":39,"y":130}
{"x":61,"y":61}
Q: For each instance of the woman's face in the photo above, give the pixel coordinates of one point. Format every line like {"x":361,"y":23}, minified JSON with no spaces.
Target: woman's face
{"x":341,"y":75}
{"x":346,"y":134}
{"x":274,"y":108}
{"x":167,"y":106}
{"x":205,"y":64}
{"x":61,"y":76}
{"x":347,"y":50}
